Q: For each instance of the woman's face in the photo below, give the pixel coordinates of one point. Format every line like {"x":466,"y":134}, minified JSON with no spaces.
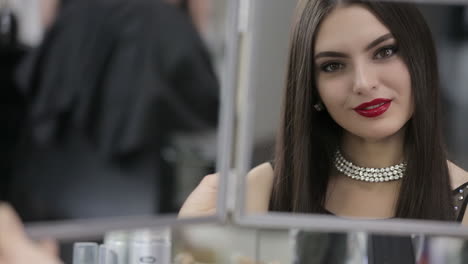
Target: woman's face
{"x":361,"y":78}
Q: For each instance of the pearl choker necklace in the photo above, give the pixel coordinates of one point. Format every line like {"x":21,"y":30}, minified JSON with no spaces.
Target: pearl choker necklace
{"x":369,"y":174}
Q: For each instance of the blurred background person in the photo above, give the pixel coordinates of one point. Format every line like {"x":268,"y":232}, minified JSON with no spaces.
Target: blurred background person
{"x":111,"y":82}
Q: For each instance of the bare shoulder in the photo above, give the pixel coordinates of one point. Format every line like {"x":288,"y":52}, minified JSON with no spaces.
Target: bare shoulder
{"x":263,"y":173}
{"x":259,"y":186}
{"x":458,"y":176}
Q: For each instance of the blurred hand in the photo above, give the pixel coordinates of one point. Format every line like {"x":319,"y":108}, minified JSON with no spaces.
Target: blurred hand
{"x":202,"y":201}
{"x":17,"y":248}
{"x":184,"y":258}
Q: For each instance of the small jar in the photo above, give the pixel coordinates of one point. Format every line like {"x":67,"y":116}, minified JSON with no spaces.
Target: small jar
{"x":150,"y":247}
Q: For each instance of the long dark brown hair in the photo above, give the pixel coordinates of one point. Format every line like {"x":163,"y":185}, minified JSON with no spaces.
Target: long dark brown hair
{"x":308,"y":139}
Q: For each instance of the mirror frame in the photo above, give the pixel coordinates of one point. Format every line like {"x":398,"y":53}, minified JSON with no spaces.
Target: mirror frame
{"x":315,"y":222}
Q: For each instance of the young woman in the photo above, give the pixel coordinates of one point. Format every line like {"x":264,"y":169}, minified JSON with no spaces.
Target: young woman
{"x":360,"y":134}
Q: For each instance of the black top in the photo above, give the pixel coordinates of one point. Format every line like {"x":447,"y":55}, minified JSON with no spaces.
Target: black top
{"x":331,"y":247}
{"x":123,"y":73}
{"x":460,"y":200}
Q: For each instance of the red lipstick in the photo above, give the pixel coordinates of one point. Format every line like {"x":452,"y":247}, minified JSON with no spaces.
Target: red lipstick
{"x":373,"y":108}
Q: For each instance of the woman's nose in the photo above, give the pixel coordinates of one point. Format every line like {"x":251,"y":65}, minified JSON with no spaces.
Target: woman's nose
{"x":364,"y":78}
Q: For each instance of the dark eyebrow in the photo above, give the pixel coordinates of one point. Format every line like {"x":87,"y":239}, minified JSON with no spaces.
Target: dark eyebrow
{"x":378,"y":41}
{"x":330,"y":54}
{"x":342,"y":55}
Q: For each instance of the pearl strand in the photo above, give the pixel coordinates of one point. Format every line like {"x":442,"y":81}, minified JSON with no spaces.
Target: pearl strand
{"x":369,"y":174}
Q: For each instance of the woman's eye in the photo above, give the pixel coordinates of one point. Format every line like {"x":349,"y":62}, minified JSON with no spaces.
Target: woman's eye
{"x":332,"y":67}
{"x":386,"y":52}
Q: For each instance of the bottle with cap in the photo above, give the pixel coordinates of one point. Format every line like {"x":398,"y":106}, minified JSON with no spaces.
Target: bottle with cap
{"x":85,"y":253}
{"x":150,"y":247}
{"x":117,"y":242}
{"x":107,"y":255}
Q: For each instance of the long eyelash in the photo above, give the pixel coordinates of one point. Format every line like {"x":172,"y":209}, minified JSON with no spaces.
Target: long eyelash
{"x":392,"y":47}
{"x":325,"y":65}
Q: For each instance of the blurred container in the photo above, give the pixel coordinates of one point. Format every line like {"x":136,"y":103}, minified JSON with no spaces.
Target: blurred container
{"x":150,"y":247}
{"x":117,"y":242}
{"x":85,"y":253}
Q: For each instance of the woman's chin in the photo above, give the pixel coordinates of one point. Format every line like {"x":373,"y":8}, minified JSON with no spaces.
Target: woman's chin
{"x":377,"y":134}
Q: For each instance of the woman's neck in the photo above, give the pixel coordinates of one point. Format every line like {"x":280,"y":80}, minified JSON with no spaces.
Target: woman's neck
{"x":349,"y":197}
{"x":373,"y":153}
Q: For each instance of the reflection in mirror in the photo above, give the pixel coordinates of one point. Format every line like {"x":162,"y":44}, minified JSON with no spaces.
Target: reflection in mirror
{"x":115,"y":113}
{"x":352,"y":117}
{"x":358,"y":247}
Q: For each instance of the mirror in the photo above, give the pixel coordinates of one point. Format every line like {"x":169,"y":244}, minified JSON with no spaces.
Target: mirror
{"x":340,"y":97}
{"x":299,"y":246}
{"x":201,"y":243}
{"x":118,"y":114}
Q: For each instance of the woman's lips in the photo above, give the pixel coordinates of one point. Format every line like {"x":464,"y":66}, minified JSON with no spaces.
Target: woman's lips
{"x":373,"y":108}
